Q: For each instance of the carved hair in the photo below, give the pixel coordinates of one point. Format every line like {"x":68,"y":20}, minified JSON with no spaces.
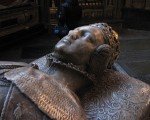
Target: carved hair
{"x":110,"y":38}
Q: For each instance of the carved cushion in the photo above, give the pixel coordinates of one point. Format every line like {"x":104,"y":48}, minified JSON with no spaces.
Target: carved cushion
{"x":114,"y":97}
{"x":117,"y":97}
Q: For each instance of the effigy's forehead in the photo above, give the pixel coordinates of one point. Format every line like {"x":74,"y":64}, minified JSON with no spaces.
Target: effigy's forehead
{"x":88,"y":28}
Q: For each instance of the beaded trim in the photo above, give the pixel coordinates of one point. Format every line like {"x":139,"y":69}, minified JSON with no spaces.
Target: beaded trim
{"x":53,"y":60}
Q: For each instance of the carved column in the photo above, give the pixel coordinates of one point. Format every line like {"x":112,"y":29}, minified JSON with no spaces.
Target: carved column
{"x":119,"y":5}
{"x":109,"y":9}
{"x":44,"y":12}
{"x":53,"y":14}
{"x":147,"y":5}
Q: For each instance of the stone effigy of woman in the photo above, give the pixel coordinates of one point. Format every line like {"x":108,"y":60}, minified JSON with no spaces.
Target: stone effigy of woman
{"x":74,"y":82}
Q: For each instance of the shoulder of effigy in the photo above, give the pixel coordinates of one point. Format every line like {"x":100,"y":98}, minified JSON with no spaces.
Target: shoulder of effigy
{"x":42,"y":63}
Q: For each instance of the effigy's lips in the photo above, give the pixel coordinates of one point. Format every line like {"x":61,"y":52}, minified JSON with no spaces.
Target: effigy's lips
{"x":51,"y":97}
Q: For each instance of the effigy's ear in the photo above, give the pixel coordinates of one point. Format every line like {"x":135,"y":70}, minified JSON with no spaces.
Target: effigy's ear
{"x":99,"y":60}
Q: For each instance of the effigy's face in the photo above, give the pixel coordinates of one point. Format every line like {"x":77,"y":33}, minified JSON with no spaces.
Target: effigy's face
{"x":77,"y":46}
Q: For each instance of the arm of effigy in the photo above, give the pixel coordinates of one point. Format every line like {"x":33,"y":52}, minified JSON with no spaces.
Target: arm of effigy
{"x":51,"y":97}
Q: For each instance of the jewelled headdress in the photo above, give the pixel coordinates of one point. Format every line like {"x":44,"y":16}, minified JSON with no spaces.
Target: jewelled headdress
{"x":111,"y":38}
